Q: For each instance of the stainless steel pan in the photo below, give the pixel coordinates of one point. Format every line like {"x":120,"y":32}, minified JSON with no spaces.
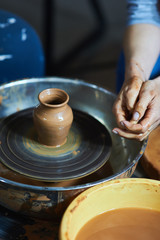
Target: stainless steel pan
{"x":49,"y":200}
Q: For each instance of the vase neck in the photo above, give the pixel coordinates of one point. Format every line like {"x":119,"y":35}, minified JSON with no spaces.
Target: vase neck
{"x":54,"y":105}
{"x":53,"y":98}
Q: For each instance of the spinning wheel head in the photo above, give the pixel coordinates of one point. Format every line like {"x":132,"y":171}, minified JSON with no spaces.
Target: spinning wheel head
{"x":88,"y":147}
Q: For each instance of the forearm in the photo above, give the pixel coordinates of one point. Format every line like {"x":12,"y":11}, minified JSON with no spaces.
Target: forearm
{"x":141,"y":48}
{"x":137,"y":108}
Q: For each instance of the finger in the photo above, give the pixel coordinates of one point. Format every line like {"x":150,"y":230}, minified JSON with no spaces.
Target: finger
{"x":145,"y":98}
{"x":155,"y":125}
{"x":146,"y":134}
{"x":149,"y":123}
{"x":143,"y":125}
{"x":119,"y":112}
{"x":129,"y":135}
{"x":137,"y":136}
{"x":132,"y":92}
{"x":133,"y":127}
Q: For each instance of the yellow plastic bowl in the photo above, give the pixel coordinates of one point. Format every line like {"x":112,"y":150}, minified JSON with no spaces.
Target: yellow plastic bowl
{"x":123,"y":193}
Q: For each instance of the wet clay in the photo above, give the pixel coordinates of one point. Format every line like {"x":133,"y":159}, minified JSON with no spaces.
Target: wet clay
{"x":123,"y":224}
{"x":151,"y":158}
{"x":1,"y":98}
{"x":53,"y":117}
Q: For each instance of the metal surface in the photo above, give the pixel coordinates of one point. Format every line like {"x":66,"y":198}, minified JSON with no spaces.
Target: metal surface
{"x":15,"y":226}
{"x":41,"y":199}
{"x":20,"y":227}
{"x":87,"y":148}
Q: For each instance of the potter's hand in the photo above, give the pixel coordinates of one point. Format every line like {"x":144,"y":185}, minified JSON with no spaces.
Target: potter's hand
{"x":145,"y":112}
{"x":124,"y":105}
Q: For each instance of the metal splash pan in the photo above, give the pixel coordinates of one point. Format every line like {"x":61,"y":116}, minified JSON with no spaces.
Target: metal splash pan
{"x":44,"y":199}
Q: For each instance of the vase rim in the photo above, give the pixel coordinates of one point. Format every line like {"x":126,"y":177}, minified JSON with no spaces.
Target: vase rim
{"x":53,"y":97}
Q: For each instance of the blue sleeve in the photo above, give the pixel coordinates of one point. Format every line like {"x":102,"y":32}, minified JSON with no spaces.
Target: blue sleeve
{"x":143,"y":11}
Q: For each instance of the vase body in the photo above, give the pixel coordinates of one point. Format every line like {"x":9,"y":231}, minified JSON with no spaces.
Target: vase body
{"x":53,"y":117}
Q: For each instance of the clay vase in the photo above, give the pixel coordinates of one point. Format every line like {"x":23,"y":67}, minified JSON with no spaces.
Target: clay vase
{"x":53,"y":117}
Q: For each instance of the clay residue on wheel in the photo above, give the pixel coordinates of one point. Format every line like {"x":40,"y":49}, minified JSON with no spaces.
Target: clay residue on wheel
{"x":1,"y":99}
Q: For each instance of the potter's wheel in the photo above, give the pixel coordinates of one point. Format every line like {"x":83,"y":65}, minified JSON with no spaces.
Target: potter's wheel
{"x":49,"y":200}
{"x":88,"y":147}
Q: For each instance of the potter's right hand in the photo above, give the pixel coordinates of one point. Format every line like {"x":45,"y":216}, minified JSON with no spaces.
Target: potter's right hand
{"x":148,"y":112}
{"x":125,"y":103}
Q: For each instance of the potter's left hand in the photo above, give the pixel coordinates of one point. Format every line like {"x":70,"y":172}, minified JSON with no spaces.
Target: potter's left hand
{"x":147,"y":110}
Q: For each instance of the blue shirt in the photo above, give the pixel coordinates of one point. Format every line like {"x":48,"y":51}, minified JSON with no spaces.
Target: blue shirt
{"x":143,"y":11}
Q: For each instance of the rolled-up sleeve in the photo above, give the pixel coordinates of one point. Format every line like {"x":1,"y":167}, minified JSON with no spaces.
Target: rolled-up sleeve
{"x":143,"y":11}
